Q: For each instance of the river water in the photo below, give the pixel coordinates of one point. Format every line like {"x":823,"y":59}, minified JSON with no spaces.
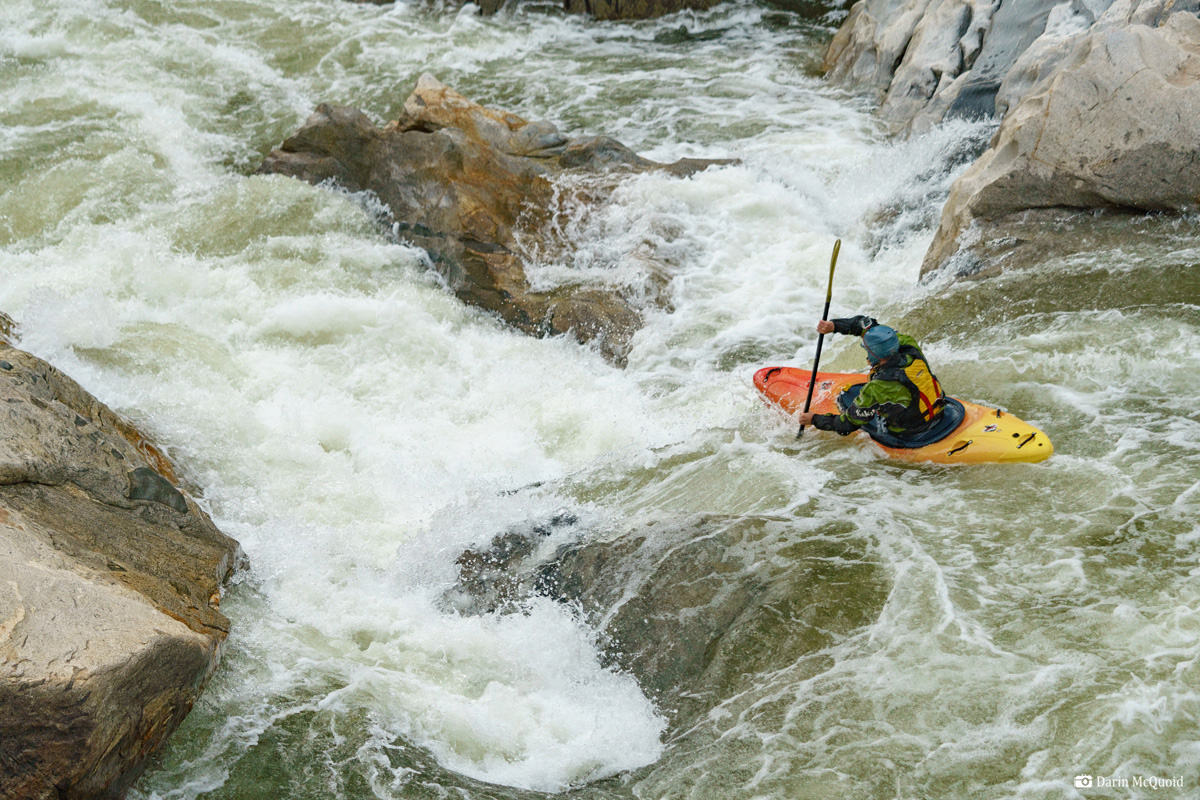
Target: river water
{"x":751,"y":616}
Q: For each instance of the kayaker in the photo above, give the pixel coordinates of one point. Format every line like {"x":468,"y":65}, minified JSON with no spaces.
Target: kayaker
{"x":903,"y":397}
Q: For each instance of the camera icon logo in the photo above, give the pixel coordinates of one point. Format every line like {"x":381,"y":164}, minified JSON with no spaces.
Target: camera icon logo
{"x":1083,"y":781}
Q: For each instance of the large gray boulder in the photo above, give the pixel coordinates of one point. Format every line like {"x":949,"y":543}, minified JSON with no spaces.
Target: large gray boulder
{"x":1067,"y":24}
{"x":110,"y":582}
{"x":475,"y":188}
{"x":912,"y":55}
{"x":929,"y":60}
{"x":1115,"y":125}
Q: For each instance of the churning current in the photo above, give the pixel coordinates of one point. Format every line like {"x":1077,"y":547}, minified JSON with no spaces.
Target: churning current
{"x":677,"y":599}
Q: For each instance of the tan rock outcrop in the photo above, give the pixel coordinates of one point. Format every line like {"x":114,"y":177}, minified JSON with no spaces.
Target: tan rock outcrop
{"x":474,"y":188}
{"x":110,"y":581}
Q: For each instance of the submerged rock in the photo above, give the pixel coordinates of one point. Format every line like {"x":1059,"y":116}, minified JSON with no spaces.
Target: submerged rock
{"x":110,"y":581}
{"x":692,"y":608}
{"x":1113,"y":126}
{"x":474,"y":187}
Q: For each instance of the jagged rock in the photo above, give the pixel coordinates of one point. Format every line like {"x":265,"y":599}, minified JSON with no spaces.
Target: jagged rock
{"x":1099,"y":110}
{"x":1014,"y":28}
{"x":944,"y":47}
{"x":917,"y":55}
{"x":110,"y":581}
{"x":1059,"y":29}
{"x":1114,"y":126}
{"x":929,"y":60}
{"x":473,"y":187}
{"x":870,"y":43}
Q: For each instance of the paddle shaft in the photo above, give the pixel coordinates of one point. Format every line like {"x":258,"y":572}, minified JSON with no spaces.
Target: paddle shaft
{"x":821,"y":337}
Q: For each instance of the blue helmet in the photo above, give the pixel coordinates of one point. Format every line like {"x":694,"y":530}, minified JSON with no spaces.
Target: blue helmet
{"x":880,"y":342}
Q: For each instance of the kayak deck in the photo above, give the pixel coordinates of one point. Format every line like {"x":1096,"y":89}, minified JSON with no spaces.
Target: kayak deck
{"x":986,"y":435}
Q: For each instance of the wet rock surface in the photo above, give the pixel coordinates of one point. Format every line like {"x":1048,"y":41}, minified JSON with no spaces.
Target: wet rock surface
{"x":474,"y":187}
{"x":110,"y":581}
{"x":634,"y":9}
{"x":689,"y":607}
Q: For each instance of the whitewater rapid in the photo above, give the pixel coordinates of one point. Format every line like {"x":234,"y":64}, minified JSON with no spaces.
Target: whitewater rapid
{"x":356,"y":428}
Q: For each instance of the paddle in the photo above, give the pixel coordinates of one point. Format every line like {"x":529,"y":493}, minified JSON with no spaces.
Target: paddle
{"x":821,"y":337}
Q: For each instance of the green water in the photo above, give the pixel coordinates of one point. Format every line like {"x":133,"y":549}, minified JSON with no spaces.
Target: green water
{"x":730,"y":612}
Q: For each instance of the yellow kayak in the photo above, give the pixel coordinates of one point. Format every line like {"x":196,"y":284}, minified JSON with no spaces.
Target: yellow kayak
{"x":985,"y":435}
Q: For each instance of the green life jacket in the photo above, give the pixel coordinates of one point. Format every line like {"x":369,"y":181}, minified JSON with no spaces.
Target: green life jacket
{"x":923,"y":387}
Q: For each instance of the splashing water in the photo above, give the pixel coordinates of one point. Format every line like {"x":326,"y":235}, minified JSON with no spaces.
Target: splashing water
{"x":771,"y":619}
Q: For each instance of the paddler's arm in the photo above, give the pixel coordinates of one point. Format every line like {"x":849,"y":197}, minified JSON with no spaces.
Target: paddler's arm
{"x":848,"y":326}
{"x":876,"y":398}
{"x":837,"y":423}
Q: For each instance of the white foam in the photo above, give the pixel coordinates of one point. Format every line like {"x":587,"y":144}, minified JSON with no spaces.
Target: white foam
{"x":356,"y":427}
